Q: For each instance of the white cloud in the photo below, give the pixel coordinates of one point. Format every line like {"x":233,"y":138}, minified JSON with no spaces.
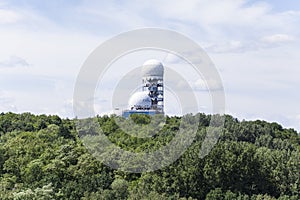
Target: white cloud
{"x":14,"y":61}
{"x":7,"y":102}
{"x":233,"y":46}
{"x":210,"y":14}
{"x":115,"y":17}
{"x":206,"y":85}
{"x":278,"y":38}
{"x":260,"y":81}
{"x":214,"y":12}
{"x":67,"y":109}
{"x":205,"y":19}
{"x":171,"y":59}
{"x":9,"y":16}
{"x":229,"y":26}
{"x":236,"y":46}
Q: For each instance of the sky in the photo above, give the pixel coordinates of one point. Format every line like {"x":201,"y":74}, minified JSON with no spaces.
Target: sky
{"x":254,"y":45}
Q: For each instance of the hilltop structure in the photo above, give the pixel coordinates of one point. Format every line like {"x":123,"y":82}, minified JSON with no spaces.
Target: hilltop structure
{"x":150,"y":100}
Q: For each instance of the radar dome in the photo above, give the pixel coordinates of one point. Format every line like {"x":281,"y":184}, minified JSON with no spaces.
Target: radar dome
{"x":140,"y":100}
{"x":153,"y":68}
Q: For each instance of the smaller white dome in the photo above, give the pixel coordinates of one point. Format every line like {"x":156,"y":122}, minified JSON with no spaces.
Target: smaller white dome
{"x":153,"y":68}
{"x":140,"y":100}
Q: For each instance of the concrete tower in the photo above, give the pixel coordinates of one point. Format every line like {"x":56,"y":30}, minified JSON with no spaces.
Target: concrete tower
{"x":150,"y":100}
{"x":153,"y":74}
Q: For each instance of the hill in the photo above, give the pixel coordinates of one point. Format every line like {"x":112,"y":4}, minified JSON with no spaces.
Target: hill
{"x":42,"y":157}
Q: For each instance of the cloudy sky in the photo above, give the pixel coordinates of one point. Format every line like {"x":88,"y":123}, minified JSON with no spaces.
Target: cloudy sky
{"x":255,"y":45}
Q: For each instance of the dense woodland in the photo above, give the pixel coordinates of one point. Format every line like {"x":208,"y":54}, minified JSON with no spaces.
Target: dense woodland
{"x":42,"y":157}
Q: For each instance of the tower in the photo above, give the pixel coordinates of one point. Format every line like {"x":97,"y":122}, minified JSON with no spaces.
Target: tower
{"x":152,"y":80}
{"x":150,"y":100}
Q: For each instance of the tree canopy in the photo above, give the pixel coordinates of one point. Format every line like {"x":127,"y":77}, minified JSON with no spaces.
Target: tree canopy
{"x":43,"y":157}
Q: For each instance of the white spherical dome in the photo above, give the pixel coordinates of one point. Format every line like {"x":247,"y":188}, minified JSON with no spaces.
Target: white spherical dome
{"x":153,"y":68}
{"x":140,"y":100}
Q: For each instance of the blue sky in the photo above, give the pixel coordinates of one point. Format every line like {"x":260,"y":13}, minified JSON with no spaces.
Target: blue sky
{"x":255,"y":46}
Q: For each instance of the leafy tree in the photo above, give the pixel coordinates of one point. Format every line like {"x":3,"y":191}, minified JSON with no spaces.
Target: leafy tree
{"x":45,"y":157}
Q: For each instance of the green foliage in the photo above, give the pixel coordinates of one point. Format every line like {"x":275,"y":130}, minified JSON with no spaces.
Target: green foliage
{"x":141,"y":119}
{"x":44,"y":193}
{"x":42,"y":157}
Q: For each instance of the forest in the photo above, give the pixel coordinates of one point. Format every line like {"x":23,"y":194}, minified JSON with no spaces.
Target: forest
{"x":43,"y":157}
